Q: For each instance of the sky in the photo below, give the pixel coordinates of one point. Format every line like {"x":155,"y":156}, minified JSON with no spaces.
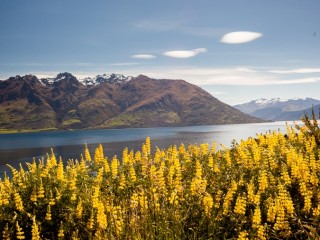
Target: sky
{"x":237,"y":50}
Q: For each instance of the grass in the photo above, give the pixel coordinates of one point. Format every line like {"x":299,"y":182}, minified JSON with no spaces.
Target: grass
{"x":70,"y":122}
{"x":10,"y":131}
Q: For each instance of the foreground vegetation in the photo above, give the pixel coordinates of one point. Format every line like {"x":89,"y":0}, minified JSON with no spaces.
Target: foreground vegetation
{"x":261,"y":188}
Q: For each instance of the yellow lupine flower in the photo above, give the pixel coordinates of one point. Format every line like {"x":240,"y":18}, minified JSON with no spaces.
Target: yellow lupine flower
{"x":285,"y":177}
{"x":95,"y":197}
{"x":35,"y":234}
{"x":207,"y":202}
{"x":61,"y":231}
{"x":48,"y":216}
{"x":87,"y":153}
{"x":316,"y":211}
{"x":98,"y":156}
{"x":281,"y":222}
{"x":272,"y":211}
{"x":134,"y":201}
{"x":155,"y":200}
{"x":263,"y":181}
{"x":125,"y":157}
{"x":143,"y":202}
{"x":204,"y":148}
{"x":243,"y":235}
{"x":228,"y":158}
{"x":118,"y":219}
{"x":170,"y":176}
{"x":114,"y":167}
{"x":174,"y":199}
{"x":51,"y":199}
{"x":53,"y":158}
{"x":101,"y":150}
{"x":256,"y":218}
{"x":132,"y":174}
{"x":148,"y":145}
{"x":6,"y":233}
{"x":217,"y":199}
{"x":101,"y":216}
{"x":90,"y":222}
{"x":157,"y":156}
{"x":261,"y":233}
{"x":20,"y":232}
{"x":137,"y":156}
{"x":178,"y":176}
{"x":79,"y":209}
{"x":182,"y":149}
{"x":99,"y":177}
{"x":60,"y":171}
{"x":153,"y":173}
{"x":18,"y":201}
{"x":250,"y":192}
{"x":58,"y":195}
{"x":210,"y":162}
{"x":213,"y":147}
{"x":161,"y":179}
{"x":106,"y":166}
{"x":240,"y":207}
{"x":122,"y":183}
{"x":229,"y":197}
{"x":82,"y":166}
{"x":307,"y":203}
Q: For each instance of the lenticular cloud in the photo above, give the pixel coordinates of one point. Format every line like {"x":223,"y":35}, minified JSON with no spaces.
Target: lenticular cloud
{"x":240,"y":37}
{"x":185,"y":54}
{"x":143,"y":56}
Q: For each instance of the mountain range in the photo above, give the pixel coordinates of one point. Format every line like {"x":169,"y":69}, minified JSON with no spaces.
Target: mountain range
{"x":109,"y":101}
{"x":277,"y":109}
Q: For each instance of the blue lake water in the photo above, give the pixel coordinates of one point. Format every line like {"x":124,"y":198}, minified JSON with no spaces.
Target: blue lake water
{"x":22,"y":147}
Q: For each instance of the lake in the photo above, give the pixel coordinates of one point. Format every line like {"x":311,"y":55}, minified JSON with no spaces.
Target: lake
{"x":22,"y":147}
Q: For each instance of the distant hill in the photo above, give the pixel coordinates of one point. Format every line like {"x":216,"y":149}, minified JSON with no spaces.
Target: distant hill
{"x":277,"y":109}
{"x":296,"y":115}
{"x":113,"y":101}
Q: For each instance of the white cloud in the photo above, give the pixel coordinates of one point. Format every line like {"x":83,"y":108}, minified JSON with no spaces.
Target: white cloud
{"x":297,"y":81}
{"x":298,"y":70}
{"x":236,"y":76}
{"x":143,"y":56}
{"x":240,"y":37}
{"x":185,"y":53}
{"x":232,"y":76}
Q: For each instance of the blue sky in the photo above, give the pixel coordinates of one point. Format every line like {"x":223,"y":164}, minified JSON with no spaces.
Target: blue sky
{"x":276,"y":53}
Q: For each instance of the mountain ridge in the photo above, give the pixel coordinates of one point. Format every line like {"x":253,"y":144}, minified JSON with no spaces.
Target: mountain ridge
{"x":67,"y":103}
{"x":277,"y":109}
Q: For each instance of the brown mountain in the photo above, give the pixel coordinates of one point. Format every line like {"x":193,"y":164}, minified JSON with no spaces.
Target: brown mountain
{"x":64,"y":102}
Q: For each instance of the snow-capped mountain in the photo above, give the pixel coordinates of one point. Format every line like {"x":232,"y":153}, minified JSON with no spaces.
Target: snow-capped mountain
{"x":276,"y":108}
{"x":109,"y":78}
{"x":88,"y":81}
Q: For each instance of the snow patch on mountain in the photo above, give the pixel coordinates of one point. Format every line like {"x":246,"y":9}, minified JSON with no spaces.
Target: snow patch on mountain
{"x":105,"y":78}
{"x":88,"y":81}
{"x":276,"y":108}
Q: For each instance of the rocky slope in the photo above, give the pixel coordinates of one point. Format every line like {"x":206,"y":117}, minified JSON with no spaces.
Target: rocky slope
{"x":64,"y":102}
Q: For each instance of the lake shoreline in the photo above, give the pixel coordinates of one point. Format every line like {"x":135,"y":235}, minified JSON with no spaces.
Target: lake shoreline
{"x":17,"y":148}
